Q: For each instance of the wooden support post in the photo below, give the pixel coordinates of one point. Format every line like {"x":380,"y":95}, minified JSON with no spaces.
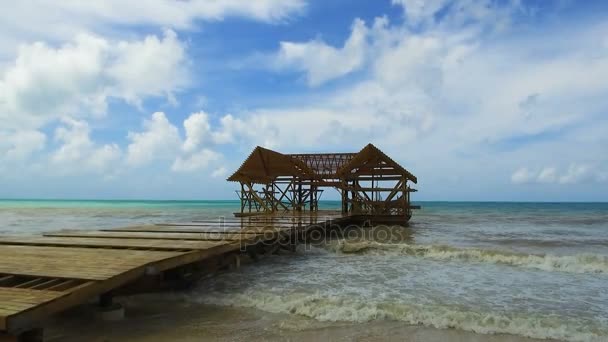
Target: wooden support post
{"x":272,"y":198}
{"x":106,"y":300}
{"x":373,"y":206}
{"x":249,"y":197}
{"x":300,"y":195}
{"x":242,"y":198}
{"x":344,"y":197}
{"x":406,"y":195}
{"x":234,"y":261}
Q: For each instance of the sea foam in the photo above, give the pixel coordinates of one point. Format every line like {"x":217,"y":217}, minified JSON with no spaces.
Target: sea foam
{"x":578,"y":263}
{"x":336,"y":309}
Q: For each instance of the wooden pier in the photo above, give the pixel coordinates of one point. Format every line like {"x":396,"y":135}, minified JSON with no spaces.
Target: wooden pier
{"x":44,"y":275}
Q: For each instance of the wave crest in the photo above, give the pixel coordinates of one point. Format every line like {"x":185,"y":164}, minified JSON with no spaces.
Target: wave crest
{"x":334,"y":309}
{"x":579,"y":263}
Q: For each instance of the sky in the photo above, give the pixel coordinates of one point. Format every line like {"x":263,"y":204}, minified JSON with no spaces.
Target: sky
{"x":159,"y":99}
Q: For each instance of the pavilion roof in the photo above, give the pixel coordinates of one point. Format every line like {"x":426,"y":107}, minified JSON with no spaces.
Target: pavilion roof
{"x":264,"y":165}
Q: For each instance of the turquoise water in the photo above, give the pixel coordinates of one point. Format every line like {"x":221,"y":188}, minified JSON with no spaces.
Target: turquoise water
{"x":527,"y":269}
{"x":28,"y":216}
{"x":127,"y":204}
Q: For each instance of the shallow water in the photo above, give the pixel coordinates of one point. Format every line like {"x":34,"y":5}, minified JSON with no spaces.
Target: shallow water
{"x":522,"y":269}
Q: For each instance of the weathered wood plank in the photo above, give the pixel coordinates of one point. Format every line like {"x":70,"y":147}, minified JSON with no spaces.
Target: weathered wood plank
{"x":248,"y":231}
{"x":78,"y":263}
{"x":13,"y":301}
{"x":88,"y":263}
{"x":156,"y":235}
{"x":109,"y":242}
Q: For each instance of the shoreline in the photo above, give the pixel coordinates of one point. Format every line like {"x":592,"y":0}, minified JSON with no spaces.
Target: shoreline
{"x":152,"y":320}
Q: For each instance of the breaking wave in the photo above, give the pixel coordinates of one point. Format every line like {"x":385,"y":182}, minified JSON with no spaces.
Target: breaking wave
{"x":335,"y":309}
{"x":579,"y":263}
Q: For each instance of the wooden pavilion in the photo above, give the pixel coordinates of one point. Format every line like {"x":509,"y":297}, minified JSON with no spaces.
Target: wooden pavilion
{"x":369,"y":181}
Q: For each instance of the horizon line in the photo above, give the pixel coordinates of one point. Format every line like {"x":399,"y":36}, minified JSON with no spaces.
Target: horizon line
{"x":236,"y":200}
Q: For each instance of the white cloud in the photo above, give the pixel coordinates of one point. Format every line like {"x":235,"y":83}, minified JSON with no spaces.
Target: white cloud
{"x":78,"y":152}
{"x":231,"y":128}
{"x":21,"y":144}
{"x":78,"y":78}
{"x":197,"y":129}
{"x":150,"y":67}
{"x":461,"y":91}
{"x":573,"y":174}
{"x":454,"y":86}
{"x":323,"y":62}
{"x":196,"y":161}
{"x":522,"y":176}
{"x":420,"y":11}
{"x":74,"y":82}
{"x":46,"y":82}
{"x":219,"y":172}
{"x":579,"y":173}
{"x":478,"y":15}
{"x":159,"y":140}
{"x":60,"y":19}
{"x":547,"y":175}
{"x":104,"y":157}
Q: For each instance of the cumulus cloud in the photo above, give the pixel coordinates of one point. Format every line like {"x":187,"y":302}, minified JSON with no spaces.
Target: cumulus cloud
{"x":59,"y":20}
{"x":195,"y":161}
{"x":451,"y":87}
{"x":150,"y":67}
{"x":159,"y":140}
{"x":547,"y":175}
{"x":230,"y":128}
{"x":78,"y":78}
{"x":579,"y":173}
{"x":478,"y":15}
{"x":421,"y":11}
{"x":72,"y":83}
{"x":78,"y":152}
{"x":573,"y":174}
{"x":408,"y":86}
{"x":219,"y":172}
{"x":522,"y":176}
{"x":21,"y":144}
{"x":322,"y":62}
{"x":197,"y":129}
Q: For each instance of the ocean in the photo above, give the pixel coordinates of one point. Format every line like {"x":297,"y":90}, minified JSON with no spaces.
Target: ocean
{"x":461,"y":271}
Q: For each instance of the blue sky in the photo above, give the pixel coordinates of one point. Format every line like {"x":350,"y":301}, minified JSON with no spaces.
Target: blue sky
{"x":159,"y":99}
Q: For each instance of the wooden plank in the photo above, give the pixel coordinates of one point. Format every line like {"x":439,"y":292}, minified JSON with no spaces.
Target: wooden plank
{"x":246,"y":220}
{"x":158,"y":235}
{"x":77,"y":263}
{"x":235,"y":226}
{"x":109,"y":242}
{"x":90,"y":289}
{"x":63,"y":262}
{"x":231,"y":220}
{"x":198,"y":229}
{"x":13,"y":301}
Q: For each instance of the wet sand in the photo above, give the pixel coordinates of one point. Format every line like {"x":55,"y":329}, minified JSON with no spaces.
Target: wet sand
{"x":152,"y":318}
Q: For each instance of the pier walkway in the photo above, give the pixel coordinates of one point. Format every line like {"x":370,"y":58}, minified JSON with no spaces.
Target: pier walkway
{"x":46,"y":274}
